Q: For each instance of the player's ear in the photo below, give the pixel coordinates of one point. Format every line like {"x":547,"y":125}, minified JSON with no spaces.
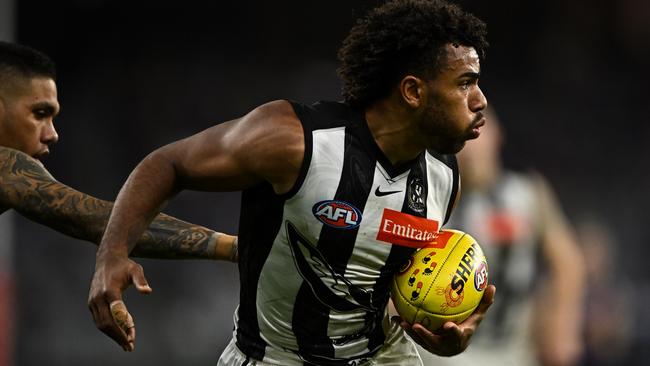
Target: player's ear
{"x":412,"y":90}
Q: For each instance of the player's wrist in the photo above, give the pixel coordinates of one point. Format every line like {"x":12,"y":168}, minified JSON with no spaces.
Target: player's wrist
{"x":224,"y":247}
{"x":106,"y":252}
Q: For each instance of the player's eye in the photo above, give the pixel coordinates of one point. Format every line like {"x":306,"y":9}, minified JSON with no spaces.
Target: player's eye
{"x":40,"y":113}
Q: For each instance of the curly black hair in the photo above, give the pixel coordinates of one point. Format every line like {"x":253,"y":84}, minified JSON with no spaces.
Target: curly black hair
{"x":22,"y":61}
{"x":403,"y":37}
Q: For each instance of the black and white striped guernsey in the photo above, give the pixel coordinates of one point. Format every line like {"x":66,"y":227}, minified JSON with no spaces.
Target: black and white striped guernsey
{"x":315,"y":263}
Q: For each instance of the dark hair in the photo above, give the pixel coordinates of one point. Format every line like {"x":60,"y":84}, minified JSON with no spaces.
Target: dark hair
{"x":18,"y":60}
{"x":400,"y":37}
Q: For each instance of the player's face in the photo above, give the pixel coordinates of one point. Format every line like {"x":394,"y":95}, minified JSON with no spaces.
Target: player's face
{"x":453,"y":110}
{"x":27,"y":114}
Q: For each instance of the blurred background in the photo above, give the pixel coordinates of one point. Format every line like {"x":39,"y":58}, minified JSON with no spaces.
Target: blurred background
{"x":568,"y":79}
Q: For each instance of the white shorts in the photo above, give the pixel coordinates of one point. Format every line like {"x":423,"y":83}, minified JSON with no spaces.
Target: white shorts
{"x":398,"y":350}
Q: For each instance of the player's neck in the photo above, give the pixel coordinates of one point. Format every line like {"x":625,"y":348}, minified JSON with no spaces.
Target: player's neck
{"x":391,"y":128}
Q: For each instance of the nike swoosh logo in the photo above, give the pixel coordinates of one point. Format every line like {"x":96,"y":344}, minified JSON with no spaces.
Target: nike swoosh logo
{"x":379,"y":193}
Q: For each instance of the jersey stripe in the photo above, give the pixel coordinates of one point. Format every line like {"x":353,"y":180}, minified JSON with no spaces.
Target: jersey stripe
{"x":254,"y":248}
{"x":311,"y":316}
{"x":399,"y":254}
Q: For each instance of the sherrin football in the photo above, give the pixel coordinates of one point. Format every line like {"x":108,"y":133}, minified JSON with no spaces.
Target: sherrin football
{"x":441,"y":282}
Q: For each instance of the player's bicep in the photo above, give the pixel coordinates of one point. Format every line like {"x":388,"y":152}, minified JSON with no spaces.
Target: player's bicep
{"x":265,"y":145}
{"x":210,"y":160}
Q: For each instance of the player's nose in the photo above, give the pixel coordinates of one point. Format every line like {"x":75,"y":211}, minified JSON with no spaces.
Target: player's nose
{"x":478,"y":101}
{"x":49,"y":134}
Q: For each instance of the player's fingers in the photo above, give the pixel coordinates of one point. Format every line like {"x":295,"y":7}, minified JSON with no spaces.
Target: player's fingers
{"x":422,"y":330}
{"x":93,"y":311}
{"x":124,"y":321}
{"x":451,"y":329}
{"x":488,"y":299}
{"x":427,"y":339}
{"x":121,"y":315}
{"x":130,"y":334}
{"x":105,"y":322}
{"x":477,"y":316}
{"x":139,"y":280}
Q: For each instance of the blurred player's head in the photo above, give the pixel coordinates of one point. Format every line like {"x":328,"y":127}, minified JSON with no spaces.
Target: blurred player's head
{"x":480,"y":160}
{"x":418,"y":50}
{"x":28,"y":100}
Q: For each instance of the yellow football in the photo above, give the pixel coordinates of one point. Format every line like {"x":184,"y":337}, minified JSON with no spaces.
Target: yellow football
{"x":442,"y":282}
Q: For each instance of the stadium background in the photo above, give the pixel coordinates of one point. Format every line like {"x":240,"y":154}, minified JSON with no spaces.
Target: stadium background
{"x":569,"y":80}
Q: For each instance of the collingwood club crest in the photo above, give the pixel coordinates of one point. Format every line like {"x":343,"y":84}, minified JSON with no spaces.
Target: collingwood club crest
{"x":416,"y":195}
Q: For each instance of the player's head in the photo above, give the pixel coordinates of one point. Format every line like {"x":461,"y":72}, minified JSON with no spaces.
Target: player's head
{"x":28,"y":100}
{"x":427,"y":53}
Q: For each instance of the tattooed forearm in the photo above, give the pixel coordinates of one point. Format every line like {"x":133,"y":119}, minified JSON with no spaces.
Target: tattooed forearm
{"x":27,"y":187}
{"x":180,"y":239}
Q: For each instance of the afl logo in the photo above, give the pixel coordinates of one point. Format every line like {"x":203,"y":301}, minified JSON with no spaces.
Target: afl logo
{"x":481,"y":277}
{"x":337,"y":214}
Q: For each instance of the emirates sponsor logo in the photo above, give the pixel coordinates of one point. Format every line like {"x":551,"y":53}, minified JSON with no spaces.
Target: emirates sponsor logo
{"x":407,"y":230}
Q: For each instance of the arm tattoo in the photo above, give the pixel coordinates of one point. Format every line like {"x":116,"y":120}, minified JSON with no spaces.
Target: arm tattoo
{"x":234,"y":251}
{"x":27,"y":187}
{"x":179,"y":240}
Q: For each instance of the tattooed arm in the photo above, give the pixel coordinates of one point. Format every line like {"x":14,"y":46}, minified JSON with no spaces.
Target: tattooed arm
{"x":27,"y":187}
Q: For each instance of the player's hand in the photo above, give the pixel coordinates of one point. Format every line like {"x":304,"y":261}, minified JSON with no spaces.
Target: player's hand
{"x":113,"y":274}
{"x":451,"y":339}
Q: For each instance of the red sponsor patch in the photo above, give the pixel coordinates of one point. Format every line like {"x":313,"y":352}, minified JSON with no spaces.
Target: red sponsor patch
{"x":408,"y":230}
{"x":441,"y":239}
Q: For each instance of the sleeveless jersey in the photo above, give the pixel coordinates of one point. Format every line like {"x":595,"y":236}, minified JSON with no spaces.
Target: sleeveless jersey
{"x":315,"y":263}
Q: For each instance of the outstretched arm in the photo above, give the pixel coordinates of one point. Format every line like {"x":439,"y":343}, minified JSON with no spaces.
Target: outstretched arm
{"x":27,"y":187}
{"x":266,"y":145}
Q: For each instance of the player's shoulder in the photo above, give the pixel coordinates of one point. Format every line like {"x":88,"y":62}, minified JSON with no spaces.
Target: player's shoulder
{"x":6,"y":152}
{"x":326,"y":114}
{"x":12,"y":160}
{"x":269,"y":141}
{"x":270,"y":122}
{"x":273,"y":112}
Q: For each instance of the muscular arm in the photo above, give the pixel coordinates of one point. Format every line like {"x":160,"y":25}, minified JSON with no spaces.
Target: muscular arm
{"x":27,"y":187}
{"x":266,"y":145}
